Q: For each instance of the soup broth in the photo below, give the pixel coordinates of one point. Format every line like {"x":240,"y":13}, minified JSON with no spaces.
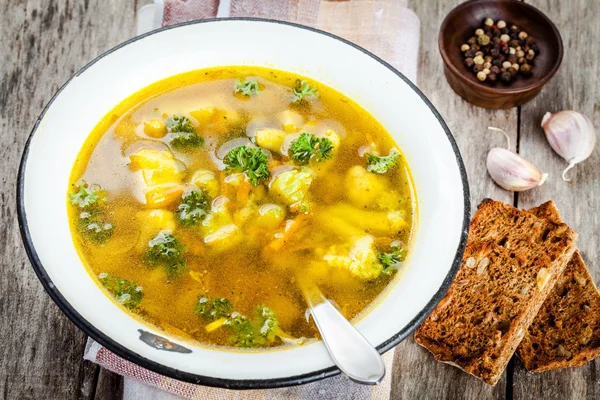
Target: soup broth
{"x":202,"y":202}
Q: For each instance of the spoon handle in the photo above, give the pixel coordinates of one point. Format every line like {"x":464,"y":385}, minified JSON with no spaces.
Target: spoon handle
{"x":351,"y":352}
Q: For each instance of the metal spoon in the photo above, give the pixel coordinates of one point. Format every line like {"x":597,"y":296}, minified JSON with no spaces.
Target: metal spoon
{"x":350,"y":351}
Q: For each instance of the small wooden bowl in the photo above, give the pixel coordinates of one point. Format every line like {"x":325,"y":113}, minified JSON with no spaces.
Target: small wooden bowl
{"x":459,"y":26}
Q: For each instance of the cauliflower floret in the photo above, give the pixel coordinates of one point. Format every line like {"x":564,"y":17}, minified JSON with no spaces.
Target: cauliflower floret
{"x":218,"y":228}
{"x":363,"y":188}
{"x":292,"y":188}
{"x":361,"y":260}
{"x":270,"y":139}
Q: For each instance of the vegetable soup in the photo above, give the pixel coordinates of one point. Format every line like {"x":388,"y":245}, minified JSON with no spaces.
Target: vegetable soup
{"x":198,"y":202}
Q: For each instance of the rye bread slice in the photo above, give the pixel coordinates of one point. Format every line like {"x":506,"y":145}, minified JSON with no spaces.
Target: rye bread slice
{"x":510,"y":265}
{"x":566,"y":331}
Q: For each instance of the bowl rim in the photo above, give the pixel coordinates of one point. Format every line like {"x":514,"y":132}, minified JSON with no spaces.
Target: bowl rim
{"x":156,"y":367}
{"x":462,"y":76}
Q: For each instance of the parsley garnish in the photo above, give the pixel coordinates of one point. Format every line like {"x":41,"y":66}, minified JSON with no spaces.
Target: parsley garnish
{"x":381,"y":165}
{"x":248,"y":88}
{"x":183,"y":133}
{"x":164,"y":249}
{"x":308,"y":145}
{"x":389,"y":260}
{"x":126,"y":292}
{"x":250,"y":160}
{"x":303,"y":89}
{"x":85,"y":197}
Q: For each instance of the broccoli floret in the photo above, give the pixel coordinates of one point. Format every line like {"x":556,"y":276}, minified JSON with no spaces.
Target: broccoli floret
{"x":86,"y":197}
{"x":213,"y":309}
{"x":193,"y":207}
{"x":381,"y":165}
{"x":252,"y":161}
{"x":183,"y":134}
{"x":165,"y":250}
{"x":247,"y":88}
{"x":125,"y":292}
{"x":308,"y":145}
{"x":92,"y":222}
{"x":303,"y":89}
{"x":92,"y":225}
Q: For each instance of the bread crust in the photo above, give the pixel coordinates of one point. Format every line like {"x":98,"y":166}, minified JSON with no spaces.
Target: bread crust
{"x":511,"y":262}
{"x":566,"y":331}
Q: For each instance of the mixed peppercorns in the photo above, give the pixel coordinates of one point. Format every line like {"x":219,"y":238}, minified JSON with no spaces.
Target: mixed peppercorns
{"x":499,"y":52}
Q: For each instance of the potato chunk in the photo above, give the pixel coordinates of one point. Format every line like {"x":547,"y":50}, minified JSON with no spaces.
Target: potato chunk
{"x":363,"y":188}
{"x":207,"y":181}
{"x":270,"y":139}
{"x":155,"y":128}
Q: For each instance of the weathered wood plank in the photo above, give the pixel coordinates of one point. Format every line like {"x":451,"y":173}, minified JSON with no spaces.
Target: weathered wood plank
{"x":44,"y":43}
{"x":109,"y":386}
{"x":574,"y":87}
{"x":416,"y":374}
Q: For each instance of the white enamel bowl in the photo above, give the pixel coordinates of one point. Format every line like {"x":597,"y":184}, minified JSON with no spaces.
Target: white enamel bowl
{"x":439,"y":176}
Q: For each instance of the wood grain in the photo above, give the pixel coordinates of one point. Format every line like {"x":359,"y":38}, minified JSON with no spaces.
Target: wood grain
{"x":574,"y":87}
{"x":44,"y":42}
{"x":41,"y":352}
{"x":416,"y":375}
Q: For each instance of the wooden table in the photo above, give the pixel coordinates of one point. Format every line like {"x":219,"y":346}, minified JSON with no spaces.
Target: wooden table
{"x":44,"y":42}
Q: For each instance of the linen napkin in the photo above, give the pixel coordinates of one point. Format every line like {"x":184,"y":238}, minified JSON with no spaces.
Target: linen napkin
{"x":386,"y":28}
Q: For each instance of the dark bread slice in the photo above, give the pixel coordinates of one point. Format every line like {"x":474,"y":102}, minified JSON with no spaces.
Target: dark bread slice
{"x":566,"y":331}
{"x":510,"y":265}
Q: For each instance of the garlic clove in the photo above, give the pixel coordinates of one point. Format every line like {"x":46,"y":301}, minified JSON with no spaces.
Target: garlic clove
{"x":571,"y":135}
{"x":512,"y":172}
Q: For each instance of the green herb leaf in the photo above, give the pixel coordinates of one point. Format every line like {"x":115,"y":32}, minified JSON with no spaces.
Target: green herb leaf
{"x":213,"y":309}
{"x":164,"y":249}
{"x":250,"y":160}
{"x":381,"y":165}
{"x":93,"y":226}
{"x":182,"y":133}
{"x":86,"y":197}
{"x":308,"y":145}
{"x":303,"y":89}
{"x":125,"y":292}
{"x":247,"y":88}
{"x":193,"y":207}
{"x":389,"y":260}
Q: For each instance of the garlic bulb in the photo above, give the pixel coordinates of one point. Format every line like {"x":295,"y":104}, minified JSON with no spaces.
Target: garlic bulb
{"x":571,"y":135}
{"x":511,"y":171}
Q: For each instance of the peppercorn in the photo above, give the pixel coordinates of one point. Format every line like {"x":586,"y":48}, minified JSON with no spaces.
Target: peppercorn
{"x":475,"y":47}
{"x":478,"y":60}
{"x":477,"y":68}
{"x":512,"y":50}
{"x":483,"y":40}
{"x":520,"y":53}
{"x":506,"y":64}
{"x":505,"y":77}
{"x":530,"y":40}
{"x":514,"y":28}
{"x":515,"y":66}
{"x":496,"y":63}
{"x":487,"y":65}
{"x":526,"y":48}
{"x":501,"y":57}
{"x":488,"y":21}
{"x":513,"y":43}
{"x":488,"y":58}
{"x":470,"y":53}
{"x":512,"y":71}
{"x":504,"y":49}
{"x":504,"y":30}
{"x":501,"y":24}
{"x":496,"y":33}
{"x":492,"y":77}
{"x":481,"y":76}
{"x":469,"y":62}
{"x":505,"y":38}
{"x":535,"y":47}
{"x":521,"y":60}
{"x":525,"y":69}
{"x":495,"y":51}
{"x":494,"y":70}
{"x":487,"y":30}
{"x":512,"y":58}
{"x":464,"y":47}
{"x":472,"y":40}
{"x":479,"y":53}
{"x":486,"y":70}
{"x":530,"y":55}
{"x":479,"y":32}
{"x":523,"y":35}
